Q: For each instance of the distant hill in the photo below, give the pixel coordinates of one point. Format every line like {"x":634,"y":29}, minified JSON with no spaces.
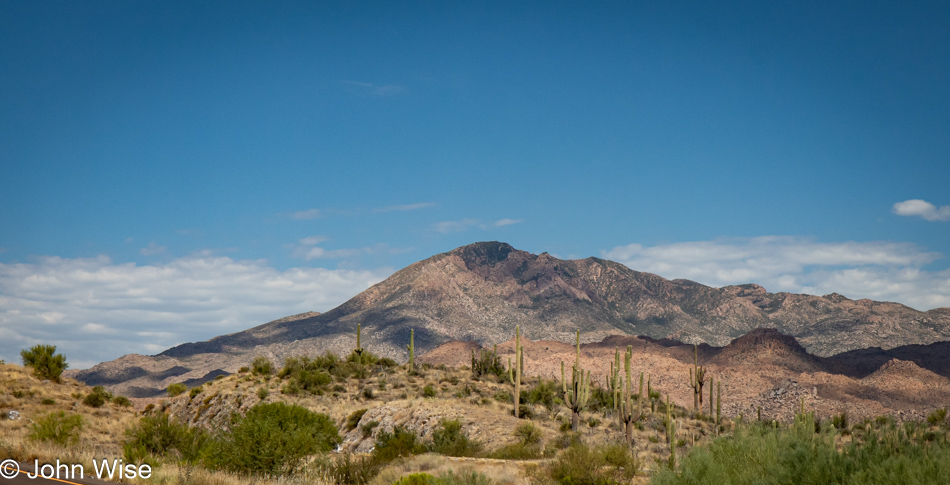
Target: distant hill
{"x":480,"y":292}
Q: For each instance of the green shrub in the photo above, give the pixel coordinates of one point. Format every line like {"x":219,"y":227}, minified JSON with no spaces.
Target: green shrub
{"x":176,"y":389}
{"x":310,"y":375}
{"x":528,"y":433}
{"x":48,"y":401}
{"x":937,"y":417}
{"x":97,"y":398}
{"x":262,"y":393}
{"x":44,"y":360}
{"x":428,"y":391}
{"x":273,"y":438}
{"x":262,"y":367}
{"x":195,"y":391}
{"x":122,"y":401}
{"x":386,"y":362}
{"x":158,"y":435}
{"x":353,"y":420}
{"x":448,"y":439}
{"x":367,"y":429}
{"x":545,"y":393}
{"x":399,"y":443}
{"x":59,"y":428}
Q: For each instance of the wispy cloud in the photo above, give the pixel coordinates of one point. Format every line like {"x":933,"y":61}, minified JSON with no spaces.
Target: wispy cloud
{"x":306,"y":215}
{"x":922,"y":208}
{"x":152,"y":249}
{"x":374,"y":89}
{"x":507,"y":222}
{"x":879,"y":270}
{"x":94,"y":309}
{"x":405,"y":207}
{"x":446,"y":227}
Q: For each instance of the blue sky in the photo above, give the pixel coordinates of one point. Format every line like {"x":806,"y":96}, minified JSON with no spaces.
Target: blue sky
{"x":174,"y":171}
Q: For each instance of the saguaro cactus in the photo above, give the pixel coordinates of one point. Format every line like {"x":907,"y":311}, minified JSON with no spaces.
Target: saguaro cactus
{"x":359,"y":348}
{"x":711,"y":395}
{"x":613,"y":381}
{"x":577,"y":395}
{"x":627,"y":416}
{"x":697,"y":377}
{"x":519,"y":356}
{"x":412,"y":348}
{"x":671,"y":432}
{"x":718,"y":406}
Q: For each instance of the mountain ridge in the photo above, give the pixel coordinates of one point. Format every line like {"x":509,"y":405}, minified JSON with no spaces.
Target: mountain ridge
{"x":481,"y":291}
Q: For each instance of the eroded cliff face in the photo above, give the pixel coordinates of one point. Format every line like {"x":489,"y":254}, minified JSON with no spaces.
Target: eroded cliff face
{"x":480,"y":292}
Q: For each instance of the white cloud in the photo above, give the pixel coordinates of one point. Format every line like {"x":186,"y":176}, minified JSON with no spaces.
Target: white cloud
{"x":152,"y":249}
{"x":94,"y":309}
{"x":885,"y":271}
{"x":306,"y":215}
{"x":507,"y":222}
{"x":405,"y":207}
{"x":922,"y":208}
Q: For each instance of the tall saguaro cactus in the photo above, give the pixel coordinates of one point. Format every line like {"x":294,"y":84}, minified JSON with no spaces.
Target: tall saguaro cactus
{"x":579,"y":392}
{"x":359,"y":348}
{"x":519,"y":359}
{"x":697,"y":377}
{"x":412,"y":348}
{"x":613,"y":381}
{"x":627,"y":416}
{"x":671,"y":432}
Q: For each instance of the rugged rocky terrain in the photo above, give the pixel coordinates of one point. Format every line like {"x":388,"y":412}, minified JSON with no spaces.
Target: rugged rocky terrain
{"x":481,"y":291}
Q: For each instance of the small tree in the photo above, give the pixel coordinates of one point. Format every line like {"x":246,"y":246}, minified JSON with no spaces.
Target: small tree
{"x":44,"y":360}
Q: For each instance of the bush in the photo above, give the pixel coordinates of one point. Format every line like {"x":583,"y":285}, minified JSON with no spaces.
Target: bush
{"x":401,"y":442}
{"x":97,"y":398}
{"x":353,"y":420}
{"x":122,"y":401}
{"x":937,"y":417}
{"x":528,"y":433}
{"x":544,"y":393}
{"x":309,"y":375}
{"x":262,"y":393}
{"x":158,"y":436}
{"x":44,"y":360}
{"x":273,"y":438}
{"x":428,"y":391}
{"x":176,"y":389}
{"x":195,"y":391}
{"x":448,"y":439}
{"x":47,"y":401}
{"x":59,"y":428}
{"x":262,"y":367}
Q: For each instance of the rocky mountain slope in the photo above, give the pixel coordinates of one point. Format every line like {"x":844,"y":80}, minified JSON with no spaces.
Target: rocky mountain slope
{"x":481,"y":291}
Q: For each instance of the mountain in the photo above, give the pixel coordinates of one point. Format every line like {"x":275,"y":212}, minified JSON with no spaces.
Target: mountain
{"x":480,"y":292}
